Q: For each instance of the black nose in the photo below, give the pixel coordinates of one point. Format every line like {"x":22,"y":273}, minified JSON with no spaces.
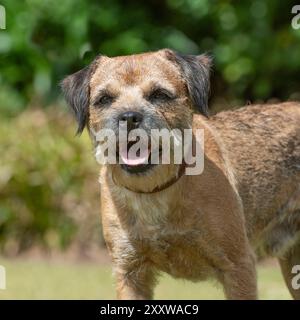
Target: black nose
{"x":133,"y":119}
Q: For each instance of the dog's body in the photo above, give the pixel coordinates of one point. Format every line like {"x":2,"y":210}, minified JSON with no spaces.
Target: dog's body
{"x":247,"y":199}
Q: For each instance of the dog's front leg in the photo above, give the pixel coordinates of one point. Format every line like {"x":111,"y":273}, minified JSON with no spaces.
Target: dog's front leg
{"x":135,"y":276}
{"x":240,"y":281}
{"x":135,"y":283}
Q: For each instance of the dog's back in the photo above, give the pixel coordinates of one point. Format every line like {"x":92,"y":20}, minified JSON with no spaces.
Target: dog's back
{"x":263,"y":146}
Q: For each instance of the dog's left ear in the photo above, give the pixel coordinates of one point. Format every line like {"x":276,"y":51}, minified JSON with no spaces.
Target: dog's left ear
{"x":196,"y":71}
{"x":76,"y":91}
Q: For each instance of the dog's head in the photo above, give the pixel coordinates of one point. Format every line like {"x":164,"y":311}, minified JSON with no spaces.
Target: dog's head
{"x":147,"y":91}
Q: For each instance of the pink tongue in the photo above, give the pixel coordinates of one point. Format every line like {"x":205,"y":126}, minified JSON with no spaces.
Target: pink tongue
{"x":131,"y":159}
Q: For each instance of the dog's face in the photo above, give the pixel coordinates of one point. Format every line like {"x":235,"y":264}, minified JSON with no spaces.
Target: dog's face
{"x":158,"y":90}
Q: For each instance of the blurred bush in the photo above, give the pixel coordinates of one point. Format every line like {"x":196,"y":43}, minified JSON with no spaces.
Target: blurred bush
{"x":49,"y":193}
{"x":255,"y":48}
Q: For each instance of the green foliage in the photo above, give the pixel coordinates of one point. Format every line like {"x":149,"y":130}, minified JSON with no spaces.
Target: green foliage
{"x":48,"y":183}
{"x":255,"y":48}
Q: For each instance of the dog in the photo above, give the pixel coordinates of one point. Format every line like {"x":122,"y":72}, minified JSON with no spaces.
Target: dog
{"x":211,"y":225}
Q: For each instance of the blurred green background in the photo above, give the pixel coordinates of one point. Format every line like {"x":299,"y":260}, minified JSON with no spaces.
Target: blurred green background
{"x":49,"y":195}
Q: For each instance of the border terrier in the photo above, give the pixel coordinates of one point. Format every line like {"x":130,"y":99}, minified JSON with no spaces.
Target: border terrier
{"x":158,"y":219}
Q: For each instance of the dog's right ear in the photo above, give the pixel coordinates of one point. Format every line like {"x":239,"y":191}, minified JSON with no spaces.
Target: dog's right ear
{"x":76,"y":90}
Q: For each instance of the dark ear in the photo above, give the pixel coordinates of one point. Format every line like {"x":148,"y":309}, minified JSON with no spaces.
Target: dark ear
{"x":196,"y":71}
{"x":76,"y":90}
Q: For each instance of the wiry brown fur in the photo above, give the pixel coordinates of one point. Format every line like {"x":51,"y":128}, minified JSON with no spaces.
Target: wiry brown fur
{"x":209,"y":225}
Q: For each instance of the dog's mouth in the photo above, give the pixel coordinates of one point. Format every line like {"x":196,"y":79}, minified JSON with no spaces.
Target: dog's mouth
{"x":135,"y":162}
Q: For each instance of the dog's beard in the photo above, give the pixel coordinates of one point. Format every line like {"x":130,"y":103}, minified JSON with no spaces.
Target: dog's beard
{"x":139,"y":163}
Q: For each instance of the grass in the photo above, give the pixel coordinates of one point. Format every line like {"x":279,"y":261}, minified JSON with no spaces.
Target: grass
{"x":39,"y":279}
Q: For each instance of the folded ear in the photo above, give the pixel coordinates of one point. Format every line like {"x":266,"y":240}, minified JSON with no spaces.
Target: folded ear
{"x":76,"y":90}
{"x":196,"y":71}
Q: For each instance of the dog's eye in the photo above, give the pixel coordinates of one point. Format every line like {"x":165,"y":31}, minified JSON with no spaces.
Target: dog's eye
{"x":160,"y":95}
{"x":103,"y":100}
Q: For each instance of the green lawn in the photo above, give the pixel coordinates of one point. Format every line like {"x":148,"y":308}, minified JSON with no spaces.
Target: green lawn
{"x":62,"y":280}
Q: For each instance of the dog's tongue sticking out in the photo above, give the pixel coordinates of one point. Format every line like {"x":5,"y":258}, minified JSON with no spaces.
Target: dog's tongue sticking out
{"x":132,"y":159}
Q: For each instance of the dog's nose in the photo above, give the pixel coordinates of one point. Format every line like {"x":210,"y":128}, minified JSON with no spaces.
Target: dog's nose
{"x":133,"y":119}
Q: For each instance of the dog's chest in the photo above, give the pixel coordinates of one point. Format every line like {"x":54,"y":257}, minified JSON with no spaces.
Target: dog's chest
{"x":172,"y":247}
{"x":158,"y":230}
{"x":149,"y":211}
{"x":178,"y":253}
